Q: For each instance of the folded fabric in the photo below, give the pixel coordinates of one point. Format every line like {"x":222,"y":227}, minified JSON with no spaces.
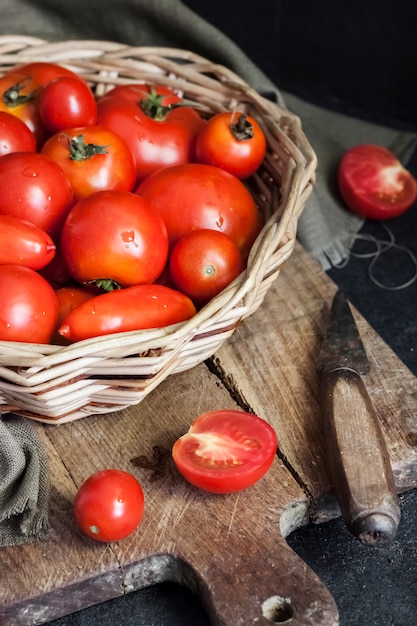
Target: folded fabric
{"x":24,"y":482}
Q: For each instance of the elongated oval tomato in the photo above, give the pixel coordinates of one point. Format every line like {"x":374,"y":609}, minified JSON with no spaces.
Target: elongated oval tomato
{"x":34,"y":188}
{"x":23,"y":243}
{"x":113,"y":238}
{"x":193,"y":196}
{"x":134,"y":308}
{"x":29,"y":306}
{"x":232,"y":141}
{"x":374,"y":184}
{"x":225,"y":451}
{"x":109,"y":505}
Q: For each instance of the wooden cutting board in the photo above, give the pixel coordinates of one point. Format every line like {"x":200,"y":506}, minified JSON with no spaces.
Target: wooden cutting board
{"x":230,"y":550}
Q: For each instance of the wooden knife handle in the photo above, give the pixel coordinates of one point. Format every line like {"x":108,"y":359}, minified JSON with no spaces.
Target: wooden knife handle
{"x":358,"y":459}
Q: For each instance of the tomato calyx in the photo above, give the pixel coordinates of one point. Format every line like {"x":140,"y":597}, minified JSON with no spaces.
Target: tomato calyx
{"x":106,"y":284}
{"x":12,"y":96}
{"x":80,"y":151}
{"x":242,"y":129}
{"x":152,"y":106}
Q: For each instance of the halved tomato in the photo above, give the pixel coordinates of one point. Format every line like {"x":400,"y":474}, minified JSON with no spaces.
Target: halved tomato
{"x":225,"y":451}
{"x":374,"y":184}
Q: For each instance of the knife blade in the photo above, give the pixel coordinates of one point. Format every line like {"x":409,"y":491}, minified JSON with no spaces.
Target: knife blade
{"x":357,"y":457}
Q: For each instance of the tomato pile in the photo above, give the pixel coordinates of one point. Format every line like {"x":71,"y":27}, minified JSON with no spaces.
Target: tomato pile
{"x":127,"y":211}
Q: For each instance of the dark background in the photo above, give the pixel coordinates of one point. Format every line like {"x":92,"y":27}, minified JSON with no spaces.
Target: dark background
{"x":359,"y":58}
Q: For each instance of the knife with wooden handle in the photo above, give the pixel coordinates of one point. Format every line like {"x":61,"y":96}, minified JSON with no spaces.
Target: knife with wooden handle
{"x":358,"y":461}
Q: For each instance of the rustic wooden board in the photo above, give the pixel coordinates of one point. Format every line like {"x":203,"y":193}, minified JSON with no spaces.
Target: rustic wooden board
{"x":231,"y":550}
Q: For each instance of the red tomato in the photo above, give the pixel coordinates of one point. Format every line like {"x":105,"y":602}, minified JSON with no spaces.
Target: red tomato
{"x":374,"y":184}
{"x":203,"y":263}
{"x":93,"y":158}
{"x":34,"y":188}
{"x":23,"y":243}
{"x":42,"y":72}
{"x":109,"y":505}
{"x":18,"y":96}
{"x":232,"y":141}
{"x":29,"y":306}
{"x":158,"y":131}
{"x":67,"y":102}
{"x":134,"y":308}
{"x":56,"y":272}
{"x":69,"y":297}
{"x":114,"y":239}
{"x":194,"y":196}
{"x":225,"y":451}
{"x":15,"y":136}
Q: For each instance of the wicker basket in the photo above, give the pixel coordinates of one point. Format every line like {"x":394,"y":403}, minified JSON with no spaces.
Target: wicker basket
{"x":57,"y":384}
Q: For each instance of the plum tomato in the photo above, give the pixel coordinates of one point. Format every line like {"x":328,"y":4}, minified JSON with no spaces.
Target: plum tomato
{"x":203,"y":262}
{"x":15,"y":136}
{"x":374,"y":184}
{"x":29,"y":306}
{"x":67,"y":102}
{"x":193,"y":196}
{"x":133,"y":308}
{"x":23,"y":243}
{"x":40,"y":193}
{"x":109,"y":505}
{"x":233,"y":141}
{"x":93,"y":159}
{"x":114,"y":239}
{"x":154,"y":122}
{"x":225,"y":451}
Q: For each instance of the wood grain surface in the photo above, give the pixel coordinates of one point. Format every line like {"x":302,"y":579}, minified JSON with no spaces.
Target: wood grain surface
{"x":230,"y":550}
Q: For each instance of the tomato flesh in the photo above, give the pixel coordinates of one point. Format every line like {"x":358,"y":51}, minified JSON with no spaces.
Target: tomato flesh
{"x":374,"y":184}
{"x":109,"y":505}
{"x":225,"y":451}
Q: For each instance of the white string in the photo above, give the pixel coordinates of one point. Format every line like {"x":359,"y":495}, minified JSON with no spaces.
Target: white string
{"x":381,"y":247}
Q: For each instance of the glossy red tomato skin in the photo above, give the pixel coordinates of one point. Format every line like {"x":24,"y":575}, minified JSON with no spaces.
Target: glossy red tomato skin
{"x":15,"y":86}
{"x":15,"y":136}
{"x":220,"y":143}
{"x":29,"y":306}
{"x":40,"y":193}
{"x":134,"y":308}
{"x":154,"y":143}
{"x":114,"y":235}
{"x":112,"y":169}
{"x":67,"y":102}
{"x":194,"y":196}
{"x":69,"y":297}
{"x":23,"y":243}
{"x":225,"y":451}
{"x":374,"y":184}
{"x":109,"y":505}
{"x":42,"y":72}
{"x":203,"y":262}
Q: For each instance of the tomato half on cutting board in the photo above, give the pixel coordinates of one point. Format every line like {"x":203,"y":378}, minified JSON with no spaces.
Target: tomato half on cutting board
{"x":225,"y":451}
{"x":374,"y":184}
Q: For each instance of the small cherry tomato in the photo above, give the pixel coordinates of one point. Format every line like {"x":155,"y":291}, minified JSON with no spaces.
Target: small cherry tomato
{"x":134,"y":308}
{"x":42,"y":72}
{"x":109,"y":505}
{"x":232,"y":141}
{"x":193,"y":196}
{"x":374,"y":184}
{"x":15,"y":136}
{"x":67,"y":102}
{"x":203,"y":263}
{"x":29,"y":306}
{"x":114,"y":239}
{"x":159,"y":130}
{"x":93,"y":159}
{"x":18,"y":96}
{"x":23,"y":243}
{"x":35,"y":188}
{"x":225,"y":451}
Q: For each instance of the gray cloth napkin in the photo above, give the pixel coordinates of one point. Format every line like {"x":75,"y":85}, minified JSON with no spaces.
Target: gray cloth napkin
{"x":24,"y":482}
